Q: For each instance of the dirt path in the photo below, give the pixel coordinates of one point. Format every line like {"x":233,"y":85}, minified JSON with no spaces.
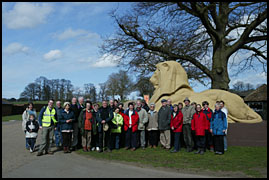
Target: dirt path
{"x":18,"y":162}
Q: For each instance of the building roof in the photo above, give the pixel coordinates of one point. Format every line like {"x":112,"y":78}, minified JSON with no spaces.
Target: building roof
{"x":260,"y":94}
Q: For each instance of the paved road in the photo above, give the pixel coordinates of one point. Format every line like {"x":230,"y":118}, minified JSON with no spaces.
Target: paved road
{"x":18,"y":162}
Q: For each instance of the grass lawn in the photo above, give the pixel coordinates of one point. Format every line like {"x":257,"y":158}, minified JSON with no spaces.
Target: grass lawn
{"x":14,"y":117}
{"x":247,"y":161}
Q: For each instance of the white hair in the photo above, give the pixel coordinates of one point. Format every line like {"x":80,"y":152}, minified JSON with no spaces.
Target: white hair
{"x":80,"y":98}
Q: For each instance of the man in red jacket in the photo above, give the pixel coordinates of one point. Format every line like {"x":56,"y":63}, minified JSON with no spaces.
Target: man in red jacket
{"x":208,"y":136}
{"x":199,"y":125}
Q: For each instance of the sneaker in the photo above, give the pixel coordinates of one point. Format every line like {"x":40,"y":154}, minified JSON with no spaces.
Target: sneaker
{"x":201,"y":152}
{"x":97,"y":148}
{"x":93,"y":149}
{"x":31,"y":150}
{"x":174,"y":151}
{"x":133,"y":149}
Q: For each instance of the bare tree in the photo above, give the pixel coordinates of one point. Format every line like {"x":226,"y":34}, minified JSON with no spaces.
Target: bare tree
{"x":201,"y":36}
{"x":144,"y":86}
{"x":102,"y":92}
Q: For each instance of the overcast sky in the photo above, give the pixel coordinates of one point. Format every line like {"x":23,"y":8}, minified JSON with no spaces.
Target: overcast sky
{"x":60,"y":40}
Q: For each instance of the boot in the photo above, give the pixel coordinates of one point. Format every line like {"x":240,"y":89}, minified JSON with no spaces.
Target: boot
{"x":65,"y":149}
{"x":84,"y":149}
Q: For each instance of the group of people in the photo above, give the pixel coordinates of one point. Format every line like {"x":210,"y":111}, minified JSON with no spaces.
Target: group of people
{"x":90,"y":127}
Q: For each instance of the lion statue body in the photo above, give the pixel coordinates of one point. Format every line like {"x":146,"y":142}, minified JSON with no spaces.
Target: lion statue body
{"x":170,"y":81}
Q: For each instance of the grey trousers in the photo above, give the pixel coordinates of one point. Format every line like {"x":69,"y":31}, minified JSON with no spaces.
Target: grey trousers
{"x":165,"y":138}
{"x":187,"y":135}
{"x":47,"y":136}
{"x":75,"y":134}
{"x":142,"y":138}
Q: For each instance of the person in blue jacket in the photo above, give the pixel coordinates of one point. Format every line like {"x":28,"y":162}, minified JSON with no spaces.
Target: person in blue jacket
{"x":218,"y":127}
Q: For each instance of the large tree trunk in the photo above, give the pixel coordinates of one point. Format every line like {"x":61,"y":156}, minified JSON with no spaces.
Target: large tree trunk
{"x":220,"y":77}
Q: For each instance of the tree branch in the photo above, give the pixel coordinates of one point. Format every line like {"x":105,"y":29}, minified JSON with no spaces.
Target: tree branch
{"x":259,"y":53}
{"x":245,"y":35}
{"x":138,"y":37}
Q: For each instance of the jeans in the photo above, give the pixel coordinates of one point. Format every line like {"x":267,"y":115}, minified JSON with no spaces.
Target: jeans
{"x":31,"y":142}
{"x":26,"y":143}
{"x":115,"y":140}
{"x":58,"y":137}
{"x":177,"y":141}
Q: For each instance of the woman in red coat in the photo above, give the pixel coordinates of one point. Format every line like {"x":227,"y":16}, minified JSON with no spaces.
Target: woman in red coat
{"x":176,"y":126}
{"x":130,"y":126}
{"x":199,"y":125}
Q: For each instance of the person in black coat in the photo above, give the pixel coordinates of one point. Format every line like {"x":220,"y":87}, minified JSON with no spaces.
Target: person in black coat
{"x":104,"y":116}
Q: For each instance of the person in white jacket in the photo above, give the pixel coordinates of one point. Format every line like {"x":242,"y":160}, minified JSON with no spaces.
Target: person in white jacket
{"x":32,"y":127}
{"x":25,"y":117}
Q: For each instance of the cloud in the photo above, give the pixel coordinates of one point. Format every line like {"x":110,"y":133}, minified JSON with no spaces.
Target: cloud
{"x":53,"y":55}
{"x":69,"y":33}
{"x":77,"y":33}
{"x":26,"y":15}
{"x":14,"y":48}
{"x":107,"y":60}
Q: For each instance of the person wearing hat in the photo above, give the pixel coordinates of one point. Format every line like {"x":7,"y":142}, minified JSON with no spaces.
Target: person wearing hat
{"x":164,"y":118}
{"x":152,"y":127}
{"x":47,"y":120}
{"x":188,"y":112}
{"x":66,"y":123}
{"x":104,"y":118}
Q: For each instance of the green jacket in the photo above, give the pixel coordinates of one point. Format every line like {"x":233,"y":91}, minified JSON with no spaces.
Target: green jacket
{"x":188,"y":112}
{"x":82,"y":118}
{"x":118,"y":122}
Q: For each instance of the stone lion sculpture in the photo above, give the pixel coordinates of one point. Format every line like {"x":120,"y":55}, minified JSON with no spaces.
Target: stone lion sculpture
{"x":170,"y":81}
